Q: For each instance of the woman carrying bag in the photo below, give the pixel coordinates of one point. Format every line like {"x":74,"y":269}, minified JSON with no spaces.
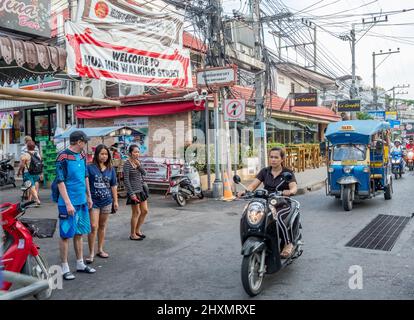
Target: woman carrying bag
{"x":137,"y":192}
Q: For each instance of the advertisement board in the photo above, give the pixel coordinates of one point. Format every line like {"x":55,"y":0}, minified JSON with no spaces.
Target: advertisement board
{"x":305,"y":99}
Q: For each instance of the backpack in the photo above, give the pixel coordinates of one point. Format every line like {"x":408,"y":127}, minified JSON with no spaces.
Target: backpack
{"x":54,"y":186}
{"x":36,"y":164}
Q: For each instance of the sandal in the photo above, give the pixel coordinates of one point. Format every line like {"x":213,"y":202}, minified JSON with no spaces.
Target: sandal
{"x":136,"y":239}
{"x":287,"y":251}
{"x":87,"y":270}
{"x":141,"y":235}
{"x":102,"y":255}
{"x":89,"y":260}
{"x":69,"y":276}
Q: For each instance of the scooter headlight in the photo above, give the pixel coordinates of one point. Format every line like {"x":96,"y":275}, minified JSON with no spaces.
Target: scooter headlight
{"x":255,"y":213}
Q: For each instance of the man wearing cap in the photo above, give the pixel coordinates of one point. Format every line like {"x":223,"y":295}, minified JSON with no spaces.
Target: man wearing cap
{"x":74,"y":201}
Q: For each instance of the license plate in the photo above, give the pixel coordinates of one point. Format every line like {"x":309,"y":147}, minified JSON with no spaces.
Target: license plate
{"x":174,"y":189}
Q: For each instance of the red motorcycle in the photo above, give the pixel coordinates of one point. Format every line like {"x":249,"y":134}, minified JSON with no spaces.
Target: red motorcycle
{"x":21,"y":254}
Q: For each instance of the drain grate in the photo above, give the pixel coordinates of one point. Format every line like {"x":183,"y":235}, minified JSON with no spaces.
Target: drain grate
{"x":380,"y":234}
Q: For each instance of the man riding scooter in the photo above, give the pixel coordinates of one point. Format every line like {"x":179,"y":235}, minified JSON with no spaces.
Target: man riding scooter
{"x":397,"y":159}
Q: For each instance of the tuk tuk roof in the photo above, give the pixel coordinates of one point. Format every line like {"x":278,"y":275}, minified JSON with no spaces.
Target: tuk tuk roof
{"x":354,"y":131}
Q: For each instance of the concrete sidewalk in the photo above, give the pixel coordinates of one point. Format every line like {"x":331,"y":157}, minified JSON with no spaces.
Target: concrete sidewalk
{"x":308,"y":180}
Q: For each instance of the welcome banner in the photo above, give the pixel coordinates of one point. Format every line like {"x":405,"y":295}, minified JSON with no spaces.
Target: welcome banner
{"x":120,"y":56}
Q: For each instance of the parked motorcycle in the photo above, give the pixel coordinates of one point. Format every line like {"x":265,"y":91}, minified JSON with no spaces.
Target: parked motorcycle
{"x":397,"y":164}
{"x":6,"y":173}
{"x":187,"y":185}
{"x":21,"y":253}
{"x":409,"y":159}
{"x":261,"y":237}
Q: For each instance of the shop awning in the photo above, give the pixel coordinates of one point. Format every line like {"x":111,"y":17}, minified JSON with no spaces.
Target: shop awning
{"x":154,"y":109}
{"x":97,"y":132}
{"x":22,"y":60}
{"x":318,"y":112}
{"x":281,"y":125}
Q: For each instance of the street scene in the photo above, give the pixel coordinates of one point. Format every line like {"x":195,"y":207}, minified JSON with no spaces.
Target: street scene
{"x":206,"y":150}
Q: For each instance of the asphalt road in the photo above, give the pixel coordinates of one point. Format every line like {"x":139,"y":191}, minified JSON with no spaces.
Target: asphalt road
{"x":194,"y":253}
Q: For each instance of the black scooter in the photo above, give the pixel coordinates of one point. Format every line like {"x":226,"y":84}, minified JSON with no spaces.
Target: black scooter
{"x":6,"y":173}
{"x":261,"y":238}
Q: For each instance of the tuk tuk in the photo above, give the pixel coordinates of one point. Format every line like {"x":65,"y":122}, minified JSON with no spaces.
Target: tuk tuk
{"x":358,"y":160}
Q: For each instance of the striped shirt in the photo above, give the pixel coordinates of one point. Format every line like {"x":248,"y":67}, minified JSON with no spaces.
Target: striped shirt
{"x":133,"y":178}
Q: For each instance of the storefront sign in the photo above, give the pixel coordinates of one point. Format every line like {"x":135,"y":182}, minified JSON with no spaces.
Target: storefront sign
{"x":138,"y":122}
{"x":234,"y":109}
{"x":153,"y":18}
{"x":391,"y":115}
{"x":395,"y":124}
{"x":47,"y":84}
{"x":159,"y":170}
{"x":305,"y":99}
{"x":125,"y":57}
{"x":6,"y":120}
{"x":377,"y":115}
{"x":349,"y":105}
{"x":217,"y":77}
{"x":26,"y":16}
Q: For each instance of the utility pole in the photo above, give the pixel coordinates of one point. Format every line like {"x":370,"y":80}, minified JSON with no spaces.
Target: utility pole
{"x":374,"y":67}
{"x":393,"y":93}
{"x":259,"y":80}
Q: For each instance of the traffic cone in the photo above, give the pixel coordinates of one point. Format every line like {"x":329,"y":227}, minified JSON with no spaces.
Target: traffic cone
{"x":227,"y":193}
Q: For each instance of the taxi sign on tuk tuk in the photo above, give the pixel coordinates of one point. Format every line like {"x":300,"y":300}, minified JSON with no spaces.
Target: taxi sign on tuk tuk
{"x":347,"y":128}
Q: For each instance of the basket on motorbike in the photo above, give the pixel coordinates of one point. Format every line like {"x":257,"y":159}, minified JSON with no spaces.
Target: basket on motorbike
{"x":40,"y":227}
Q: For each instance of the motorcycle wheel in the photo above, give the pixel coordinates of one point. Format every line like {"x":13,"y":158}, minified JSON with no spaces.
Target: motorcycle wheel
{"x":180,"y":199}
{"x":347,"y":199}
{"x":200,"y":195}
{"x":32,"y":268}
{"x":396,"y":176}
{"x":251,"y":280}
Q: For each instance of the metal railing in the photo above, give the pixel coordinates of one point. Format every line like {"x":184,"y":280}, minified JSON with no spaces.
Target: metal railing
{"x":31,"y":285}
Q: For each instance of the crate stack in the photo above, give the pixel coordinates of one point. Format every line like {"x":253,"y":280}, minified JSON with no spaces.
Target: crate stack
{"x":49,"y":154}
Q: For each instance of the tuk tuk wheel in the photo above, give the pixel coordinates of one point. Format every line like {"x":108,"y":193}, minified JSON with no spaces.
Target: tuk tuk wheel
{"x":347,"y":199}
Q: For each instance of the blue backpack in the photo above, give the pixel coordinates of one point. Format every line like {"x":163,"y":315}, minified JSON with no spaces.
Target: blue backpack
{"x":54,"y":186}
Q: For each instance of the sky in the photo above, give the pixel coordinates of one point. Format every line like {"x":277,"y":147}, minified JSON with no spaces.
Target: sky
{"x":397,"y":69}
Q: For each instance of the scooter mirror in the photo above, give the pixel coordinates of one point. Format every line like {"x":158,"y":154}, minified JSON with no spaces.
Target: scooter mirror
{"x":287,"y":176}
{"x":236,"y":179}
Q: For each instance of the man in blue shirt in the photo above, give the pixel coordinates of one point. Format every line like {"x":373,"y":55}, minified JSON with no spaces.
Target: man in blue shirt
{"x":74,"y":201}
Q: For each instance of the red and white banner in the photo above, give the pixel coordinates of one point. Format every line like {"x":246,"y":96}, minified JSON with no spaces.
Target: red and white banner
{"x":154,"y":19}
{"x":119,"y":56}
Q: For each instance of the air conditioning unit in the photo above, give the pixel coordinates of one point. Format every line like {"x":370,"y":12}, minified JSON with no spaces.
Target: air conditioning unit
{"x":93,"y":88}
{"x":127,"y":90}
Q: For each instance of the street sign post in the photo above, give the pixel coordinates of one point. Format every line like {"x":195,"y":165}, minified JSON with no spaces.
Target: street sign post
{"x":234,"y":109}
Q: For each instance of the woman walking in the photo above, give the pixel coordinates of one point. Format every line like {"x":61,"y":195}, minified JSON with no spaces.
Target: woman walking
{"x":24,"y":168}
{"x":137,"y":195}
{"x":103,"y":186}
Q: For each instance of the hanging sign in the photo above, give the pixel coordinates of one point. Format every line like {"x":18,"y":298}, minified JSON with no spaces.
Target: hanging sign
{"x":115,"y":55}
{"x":305,"y":99}
{"x":349,"y":105}
{"x":153,"y":19}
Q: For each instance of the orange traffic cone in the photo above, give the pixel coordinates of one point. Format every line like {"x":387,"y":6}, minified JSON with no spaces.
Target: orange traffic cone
{"x":227,"y":193}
